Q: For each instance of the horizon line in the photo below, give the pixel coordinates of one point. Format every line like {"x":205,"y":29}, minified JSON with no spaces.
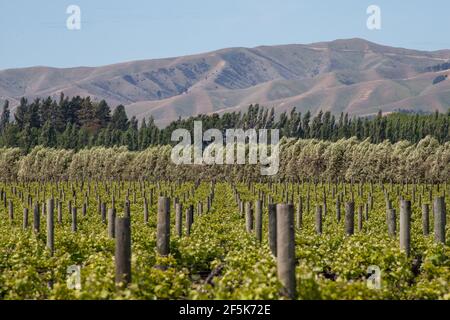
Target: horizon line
{"x":217,"y":50}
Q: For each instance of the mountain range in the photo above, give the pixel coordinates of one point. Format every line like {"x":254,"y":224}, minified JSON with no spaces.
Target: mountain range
{"x":351,"y":75}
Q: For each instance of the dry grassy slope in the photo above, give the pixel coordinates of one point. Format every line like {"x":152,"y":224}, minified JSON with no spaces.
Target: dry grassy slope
{"x":352,"y":75}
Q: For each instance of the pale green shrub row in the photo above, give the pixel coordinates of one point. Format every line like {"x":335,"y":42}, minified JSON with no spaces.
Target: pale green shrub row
{"x":345,"y":159}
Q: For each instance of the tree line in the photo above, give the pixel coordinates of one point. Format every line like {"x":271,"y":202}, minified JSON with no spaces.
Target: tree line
{"x":345,"y":159}
{"x":78,"y":122}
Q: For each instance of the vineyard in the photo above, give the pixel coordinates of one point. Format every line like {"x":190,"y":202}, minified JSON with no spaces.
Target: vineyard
{"x":261,"y":175}
{"x":138,"y":239}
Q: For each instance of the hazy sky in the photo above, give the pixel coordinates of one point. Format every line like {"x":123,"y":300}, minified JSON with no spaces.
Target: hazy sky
{"x":35,"y":33}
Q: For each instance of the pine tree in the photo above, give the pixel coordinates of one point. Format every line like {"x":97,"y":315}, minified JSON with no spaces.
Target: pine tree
{"x":21,"y":113}
{"x":134,"y":123}
{"x":45,"y":110}
{"x":144,"y":139}
{"x":10,"y":136}
{"x":340,"y":126}
{"x":47,"y":137}
{"x":271,"y":119}
{"x":83,"y":138}
{"x":26,"y":138}
{"x":103,"y":114}
{"x":4,"y":119}
{"x":153,"y":131}
{"x":65,"y":139}
{"x":359,"y":129}
{"x":282,"y":124}
{"x":74,"y":137}
{"x":131,"y":137}
{"x":103,"y":138}
{"x":333,"y":131}
{"x":326,"y":127}
{"x":119,"y":119}
{"x":346,"y":127}
{"x":316,"y":126}
{"x":70,"y":109}
{"x":86,"y":116}
{"x":305,"y":124}
{"x":32,"y":116}
{"x":58,"y":120}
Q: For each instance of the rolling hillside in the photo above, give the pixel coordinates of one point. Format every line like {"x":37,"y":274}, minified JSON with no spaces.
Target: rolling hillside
{"x":353,"y":75}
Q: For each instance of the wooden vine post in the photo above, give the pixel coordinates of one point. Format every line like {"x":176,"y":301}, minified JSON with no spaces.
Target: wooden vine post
{"x":349,"y":218}
{"x":163,"y":227}
{"x":439,"y":219}
{"x":272,"y":228}
{"x":123,"y":251}
{"x":405,"y":226}
{"x":286,"y":249}
{"x":50,"y":226}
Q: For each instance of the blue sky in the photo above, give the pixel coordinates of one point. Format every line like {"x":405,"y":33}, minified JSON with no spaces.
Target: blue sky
{"x":35,"y":33}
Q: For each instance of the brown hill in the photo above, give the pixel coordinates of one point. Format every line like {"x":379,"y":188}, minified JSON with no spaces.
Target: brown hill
{"x":354,"y":76}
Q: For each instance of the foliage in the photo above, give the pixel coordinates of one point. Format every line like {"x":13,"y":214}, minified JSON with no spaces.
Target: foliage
{"x":219,"y":260}
{"x":346,"y":159}
{"x":79,"y":123}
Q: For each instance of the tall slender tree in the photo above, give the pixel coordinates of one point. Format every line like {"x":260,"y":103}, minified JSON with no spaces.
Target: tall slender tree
{"x":6,"y":114}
